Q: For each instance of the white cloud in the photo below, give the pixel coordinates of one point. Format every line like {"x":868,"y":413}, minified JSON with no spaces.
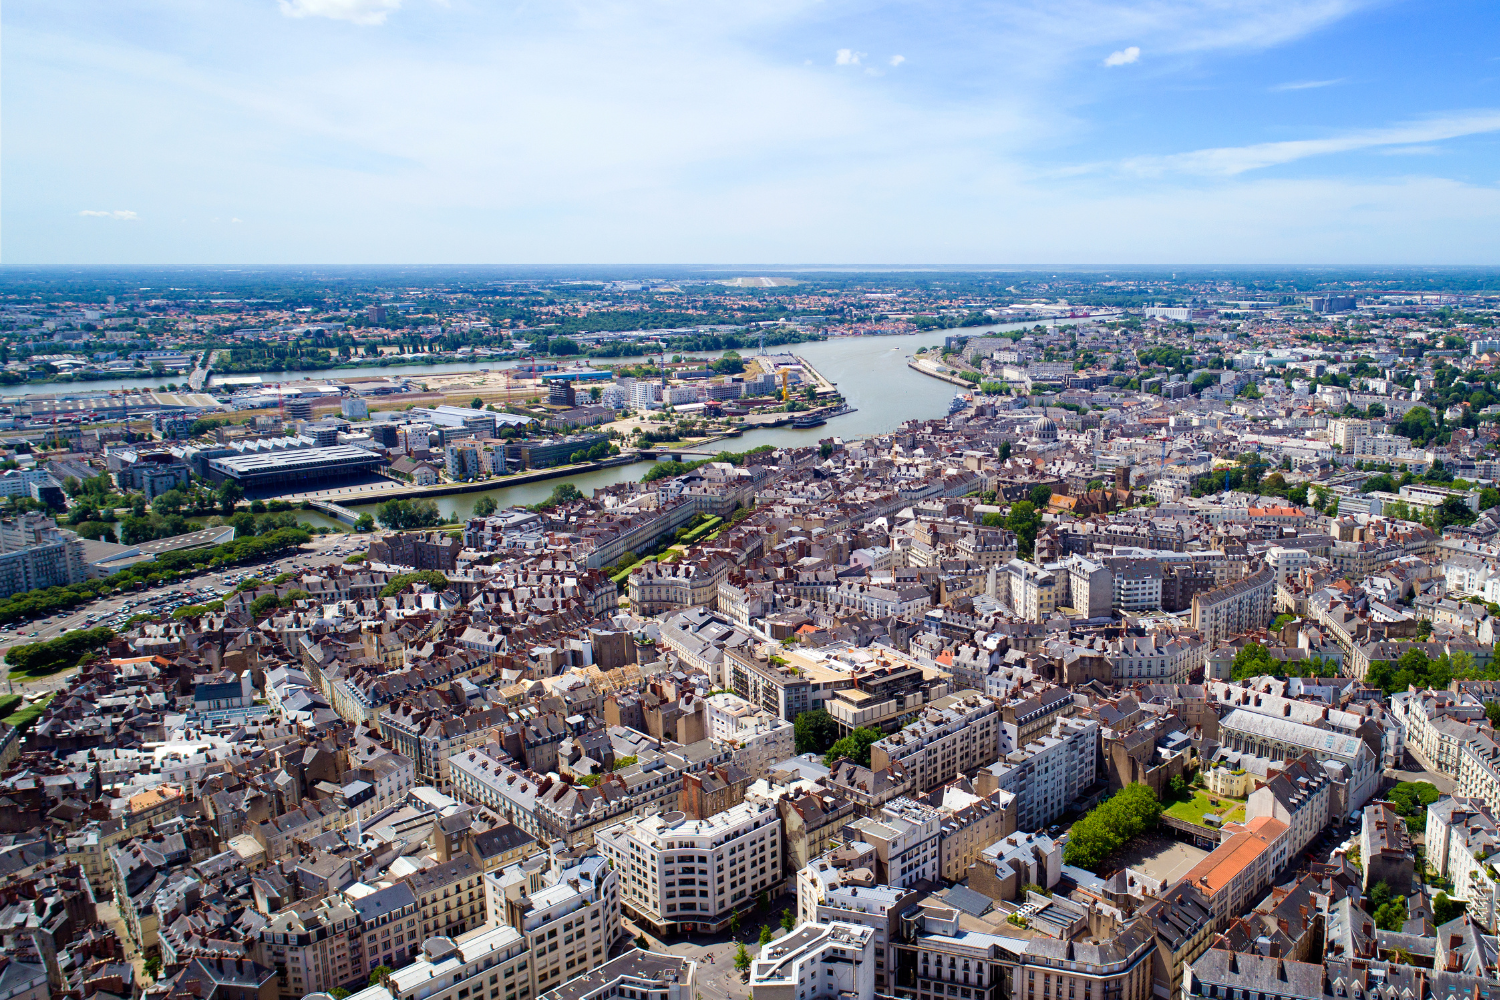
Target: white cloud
{"x":897,"y":60}
{"x":357,"y":11}
{"x":123,"y":214}
{"x":1230,"y":160}
{"x":1124,"y":57}
{"x":847,"y":57}
{"x":1309,"y":84}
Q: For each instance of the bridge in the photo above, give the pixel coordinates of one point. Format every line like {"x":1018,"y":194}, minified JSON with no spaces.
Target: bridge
{"x":341,"y":514}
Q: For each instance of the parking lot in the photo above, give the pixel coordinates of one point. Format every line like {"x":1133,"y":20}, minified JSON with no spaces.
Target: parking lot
{"x":161,"y":601}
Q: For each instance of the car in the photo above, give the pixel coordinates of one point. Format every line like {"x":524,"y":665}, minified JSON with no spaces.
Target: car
{"x":31,"y":635}
{"x":1054,"y":830}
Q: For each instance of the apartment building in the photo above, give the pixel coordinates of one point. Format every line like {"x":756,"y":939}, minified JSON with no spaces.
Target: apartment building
{"x":1236,"y":607}
{"x":450,"y":897}
{"x":970,"y":824}
{"x":1385,"y":849}
{"x":429,"y":737}
{"x":834,"y":961}
{"x":656,"y":587}
{"x":1463,"y":838}
{"x":1032,"y":590}
{"x":1302,"y":797}
{"x":953,"y":735}
{"x":313,"y":950}
{"x":1046,"y":775}
{"x":491,"y":963}
{"x":638,"y":975}
{"x":387,"y":926}
{"x":779,"y":689}
{"x":1479,"y":772}
{"x":1158,"y":658}
{"x":1239,"y":869}
{"x":841,"y":886}
{"x":567,"y":909}
{"x":684,"y":875}
{"x":906,"y":837}
{"x":1076,"y":952}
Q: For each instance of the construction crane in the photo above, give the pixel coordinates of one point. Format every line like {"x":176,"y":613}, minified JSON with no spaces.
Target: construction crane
{"x":785,"y":395}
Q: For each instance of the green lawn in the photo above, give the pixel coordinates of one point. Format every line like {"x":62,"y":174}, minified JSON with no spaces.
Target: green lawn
{"x":1200,"y":805}
{"x":26,"y":717}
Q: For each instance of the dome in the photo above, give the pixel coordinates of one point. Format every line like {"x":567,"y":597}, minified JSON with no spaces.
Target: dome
{"x":1044,"y":428}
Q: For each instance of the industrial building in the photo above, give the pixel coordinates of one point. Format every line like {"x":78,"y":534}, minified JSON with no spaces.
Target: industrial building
{"x":303,"y":466}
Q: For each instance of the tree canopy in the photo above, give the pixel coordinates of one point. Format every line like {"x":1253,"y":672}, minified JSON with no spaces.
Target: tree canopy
{"x":855,"y":746}
{"x":407,"y":515}
{"x":1130,"y":812}
{"x":815,"y":731}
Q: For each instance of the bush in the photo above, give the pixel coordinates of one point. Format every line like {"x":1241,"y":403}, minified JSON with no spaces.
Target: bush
{"x":1130,"y":812}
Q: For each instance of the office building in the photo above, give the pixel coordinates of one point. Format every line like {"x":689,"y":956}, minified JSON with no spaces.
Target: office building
{"x":297,"y":469}
{"x":567,"y":909}
{"x":679,"y":875}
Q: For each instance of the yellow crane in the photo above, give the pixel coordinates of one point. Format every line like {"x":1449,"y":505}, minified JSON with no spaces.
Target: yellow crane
{"x":785,"y":395}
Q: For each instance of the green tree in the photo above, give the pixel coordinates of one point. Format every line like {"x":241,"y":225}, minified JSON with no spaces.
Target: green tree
{"x":734,"y":922}
{"x":741,"y":957}
{"x":1040,"y":496}
{"x":1492,"y":712}
{"x":485,"y":506}
{"x":152,"y":966}
{"x":338,"y":993}
{"x":765,"y":935}
{"x":1380,"y":894}
{"x":642,"y":943}
{"x":264,"y":605}
{"x":855,"y":746}
{"x":364,"y":522}
{"x":1254,"y":661}
{"x":476,"y":403}
{"x":1004,"y":450}
{"x":1114,"y":822}
{"x":788,"y":920}
{"x":1391,"y":916}
{"x":1024,"y":520}
{"x":407,"y":515}
{"x":379,"y":973}
{"x":815,"y":731}
{"x":1445,"y":909}
{"x":398,"y":583}
{"x":36,"y":659}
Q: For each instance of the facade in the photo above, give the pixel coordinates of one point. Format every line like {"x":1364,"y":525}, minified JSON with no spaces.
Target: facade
{"x":492,"y":963}
{"x":953,"y":735}
{"x":35,"y":553}
{"x":566,"y":908}
{"x":906,"y":837}
{"x":656,"y":587}
{"x":450,"y":897}
{"x":834,"y":961}
{"x":1046,"y":775}
{"x":312,"y":952}
{"x":682,"y":875}
{"x":1462,"y":839}
{"x":841,"y":886}
{"x":1235,"y":608}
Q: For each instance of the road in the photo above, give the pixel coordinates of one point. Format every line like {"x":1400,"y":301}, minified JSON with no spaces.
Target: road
{"x":315,"y":553}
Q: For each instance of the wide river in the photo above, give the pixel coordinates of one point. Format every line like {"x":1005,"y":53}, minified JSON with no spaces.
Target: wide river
{"x":871,"y":373}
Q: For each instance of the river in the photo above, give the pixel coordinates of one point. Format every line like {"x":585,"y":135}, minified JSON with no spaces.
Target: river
{"x":871,"y":373}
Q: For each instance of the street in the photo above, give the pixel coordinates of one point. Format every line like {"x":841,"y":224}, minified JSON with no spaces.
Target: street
{"x":202,"y":588}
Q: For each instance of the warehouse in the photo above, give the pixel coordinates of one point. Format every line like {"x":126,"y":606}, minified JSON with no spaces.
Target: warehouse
{"x":303,"y":466}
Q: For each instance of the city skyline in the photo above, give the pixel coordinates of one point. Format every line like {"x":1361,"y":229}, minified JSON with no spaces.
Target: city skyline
{"x":409,"y":131}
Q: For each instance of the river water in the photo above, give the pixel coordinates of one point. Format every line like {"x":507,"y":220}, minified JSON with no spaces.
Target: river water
{"x":870,"y":372}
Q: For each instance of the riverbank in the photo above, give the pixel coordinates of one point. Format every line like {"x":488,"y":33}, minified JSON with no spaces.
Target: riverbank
{"x":929,"y":368}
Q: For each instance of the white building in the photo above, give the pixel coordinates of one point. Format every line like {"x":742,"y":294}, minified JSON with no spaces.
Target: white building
{"x":684,"y":875}
{"x":1047,"y":774}
{"x":953,"y":735}
{"x":1462,"y":841}
{"x":1158,"y":658}
{"x":817,"y":962}
{"x":760,"y":739}
{"x":905,"y":835}
{"x":567,"y":910}
{"x":491,"y":958}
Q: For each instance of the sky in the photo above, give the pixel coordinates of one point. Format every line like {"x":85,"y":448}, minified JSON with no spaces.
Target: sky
{"x":759,"y":132}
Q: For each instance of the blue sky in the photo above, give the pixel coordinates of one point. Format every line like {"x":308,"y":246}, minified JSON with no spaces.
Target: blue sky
{"x":1048,"y":132}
